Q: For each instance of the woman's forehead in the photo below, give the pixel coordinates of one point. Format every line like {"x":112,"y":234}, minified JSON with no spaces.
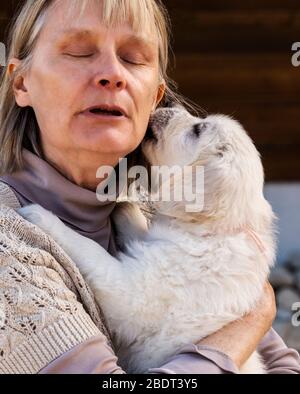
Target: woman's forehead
{"x":91,"y":14}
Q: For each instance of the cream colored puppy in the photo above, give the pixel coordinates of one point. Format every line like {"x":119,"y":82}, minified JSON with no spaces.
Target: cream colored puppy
{"x":189,"y":273}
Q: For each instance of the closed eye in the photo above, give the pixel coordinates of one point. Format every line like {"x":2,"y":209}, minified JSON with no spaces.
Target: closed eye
{"x":79,"y":56}
{"x":136,"y":63}
{"x":90,"y":55}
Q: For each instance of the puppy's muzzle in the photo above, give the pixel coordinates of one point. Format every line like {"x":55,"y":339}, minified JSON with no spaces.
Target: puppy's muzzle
{"x":160,"y":119}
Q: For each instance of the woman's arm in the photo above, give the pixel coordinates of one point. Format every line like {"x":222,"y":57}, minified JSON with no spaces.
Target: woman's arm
{"x":226,"y":350}
{"x":220,"y":353}
{"x":41,"y":317}
{"x":240,"y":339}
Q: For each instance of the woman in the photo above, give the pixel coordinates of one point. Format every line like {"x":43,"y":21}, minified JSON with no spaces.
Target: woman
{"x":113,"y":55}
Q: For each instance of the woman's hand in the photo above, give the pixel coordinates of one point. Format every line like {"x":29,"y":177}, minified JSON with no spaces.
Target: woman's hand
{"x":240,"y":338}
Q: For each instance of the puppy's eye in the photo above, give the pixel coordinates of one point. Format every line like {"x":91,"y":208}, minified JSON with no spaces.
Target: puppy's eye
{"x":198,"y":128}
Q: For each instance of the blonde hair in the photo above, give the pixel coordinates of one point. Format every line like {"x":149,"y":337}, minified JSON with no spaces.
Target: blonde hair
{"x":18,"y":126}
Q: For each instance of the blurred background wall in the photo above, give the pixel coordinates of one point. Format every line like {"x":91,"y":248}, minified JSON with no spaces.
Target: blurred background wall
{"x":234,"y":57}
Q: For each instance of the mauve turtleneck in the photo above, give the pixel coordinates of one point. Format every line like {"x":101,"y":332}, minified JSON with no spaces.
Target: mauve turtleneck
{"x":40,"y":183}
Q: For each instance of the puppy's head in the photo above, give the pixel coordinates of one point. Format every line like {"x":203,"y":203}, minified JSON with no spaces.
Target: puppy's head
{"x":233,"y":173}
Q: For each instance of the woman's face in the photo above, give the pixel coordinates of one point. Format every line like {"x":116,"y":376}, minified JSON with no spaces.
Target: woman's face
{"x":79,"y":64}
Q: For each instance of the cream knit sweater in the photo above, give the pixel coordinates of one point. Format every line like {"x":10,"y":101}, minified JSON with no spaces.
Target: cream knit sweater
{"x":46,"y":308}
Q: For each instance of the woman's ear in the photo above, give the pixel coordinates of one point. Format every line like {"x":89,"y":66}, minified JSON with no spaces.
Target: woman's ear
{"x":160,"y":94}
{"x":20,"y":91}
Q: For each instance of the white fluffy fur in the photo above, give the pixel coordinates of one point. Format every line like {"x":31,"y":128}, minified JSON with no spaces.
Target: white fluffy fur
{"x":188,"y":274}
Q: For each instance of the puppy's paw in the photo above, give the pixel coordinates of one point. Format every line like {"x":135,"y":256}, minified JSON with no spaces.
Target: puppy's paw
{"x":39,"y":216}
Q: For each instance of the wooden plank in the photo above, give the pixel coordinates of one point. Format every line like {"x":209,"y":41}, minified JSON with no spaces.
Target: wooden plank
{"x":262,"y":77}
{"x":7,"y":8}
{"x":281,"y":163}
{"x":5,"y":19}
{"x":237,"y":30}
{"x":231,"y":4}
{"x":275,"y":124}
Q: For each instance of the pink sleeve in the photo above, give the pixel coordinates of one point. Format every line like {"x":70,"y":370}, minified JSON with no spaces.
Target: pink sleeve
{"x":93,"y":356}
{"x":96,"y":357}
{"x":194,"y":359}
{"x":279,"y":358}
{"x":198,"y":359}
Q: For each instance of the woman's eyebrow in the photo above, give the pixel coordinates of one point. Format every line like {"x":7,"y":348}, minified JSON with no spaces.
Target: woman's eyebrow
{"x":140,"y":40}
{"x":76,"y":33}
{"x":85,"y":33}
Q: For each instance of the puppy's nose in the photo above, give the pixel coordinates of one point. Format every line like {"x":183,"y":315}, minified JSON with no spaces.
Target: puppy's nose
{"x":161,"y":117}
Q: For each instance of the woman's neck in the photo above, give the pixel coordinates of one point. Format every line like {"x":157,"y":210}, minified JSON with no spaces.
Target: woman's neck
{"x":81,"y":167}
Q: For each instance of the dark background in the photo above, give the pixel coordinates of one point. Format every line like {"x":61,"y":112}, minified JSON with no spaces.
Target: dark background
{"x":234,"y":57}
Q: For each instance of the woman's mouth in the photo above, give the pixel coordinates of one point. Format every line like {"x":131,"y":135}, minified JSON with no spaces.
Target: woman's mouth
{"x":102,"y":114}
{"x":106,"y":112}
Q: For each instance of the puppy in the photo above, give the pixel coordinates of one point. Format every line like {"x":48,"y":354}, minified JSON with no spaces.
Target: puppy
{"x":189,"y":272}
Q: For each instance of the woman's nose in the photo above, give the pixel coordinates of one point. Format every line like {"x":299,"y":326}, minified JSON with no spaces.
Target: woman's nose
{"x":110,"y":75}
{"x":112,"y":82}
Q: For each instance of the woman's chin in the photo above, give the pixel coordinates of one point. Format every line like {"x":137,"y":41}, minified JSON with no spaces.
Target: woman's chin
{"x":109,"y":141}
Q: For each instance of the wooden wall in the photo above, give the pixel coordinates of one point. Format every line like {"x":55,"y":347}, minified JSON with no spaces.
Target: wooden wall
{"x":234,"y":57}
{"x":7,"y":8}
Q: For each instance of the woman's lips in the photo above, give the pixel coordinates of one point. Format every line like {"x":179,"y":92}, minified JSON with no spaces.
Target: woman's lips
{"x":102,"y":116}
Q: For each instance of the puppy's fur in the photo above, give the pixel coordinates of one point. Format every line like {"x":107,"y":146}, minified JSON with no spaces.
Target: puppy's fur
{"x":189,"y":273}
